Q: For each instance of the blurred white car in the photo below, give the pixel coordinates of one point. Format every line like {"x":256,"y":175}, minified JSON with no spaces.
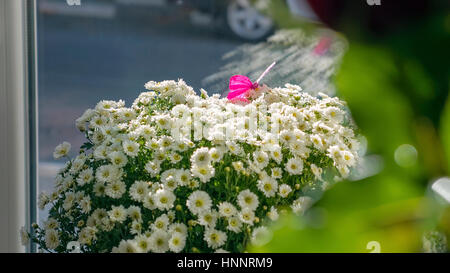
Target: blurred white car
{"x":242,"y":18}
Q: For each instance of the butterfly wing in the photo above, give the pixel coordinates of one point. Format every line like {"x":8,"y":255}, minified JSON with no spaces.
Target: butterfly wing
{"x":238,"y":86}
{"x":239,"y":100}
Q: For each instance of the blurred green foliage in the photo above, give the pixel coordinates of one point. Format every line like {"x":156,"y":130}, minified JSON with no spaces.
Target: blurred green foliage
{"x":397,"y":87}
{"x":445,"y":132}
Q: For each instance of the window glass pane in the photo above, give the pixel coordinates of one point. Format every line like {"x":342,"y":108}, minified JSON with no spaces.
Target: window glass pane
{"x":108,"y":50}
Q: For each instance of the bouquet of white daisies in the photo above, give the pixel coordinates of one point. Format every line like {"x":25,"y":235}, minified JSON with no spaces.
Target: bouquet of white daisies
{"x":179,"y":172}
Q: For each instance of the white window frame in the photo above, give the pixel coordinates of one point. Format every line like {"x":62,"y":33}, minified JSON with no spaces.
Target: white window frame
{"x":17,"y":121}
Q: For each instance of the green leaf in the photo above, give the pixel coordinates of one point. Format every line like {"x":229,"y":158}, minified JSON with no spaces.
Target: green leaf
{"x":445,"y":132}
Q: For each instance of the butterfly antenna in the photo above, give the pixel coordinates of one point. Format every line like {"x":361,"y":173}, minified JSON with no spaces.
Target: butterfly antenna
{"x":265,"y":72}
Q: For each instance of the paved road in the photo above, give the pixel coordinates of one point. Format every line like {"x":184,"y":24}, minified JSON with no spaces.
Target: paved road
{"x":85,"y":59}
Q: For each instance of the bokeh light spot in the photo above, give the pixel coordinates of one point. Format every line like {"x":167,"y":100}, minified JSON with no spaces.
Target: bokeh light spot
{"x":442,"y":188}
{"x":405,"y":155}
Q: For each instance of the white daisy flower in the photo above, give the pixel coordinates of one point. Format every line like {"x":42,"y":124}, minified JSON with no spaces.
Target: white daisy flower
{"x":24,"y":237}
{"x":107,"y":173}
{"x":178,"y":227}
{"x":152,"y":168}
{"x":247,"y":216}
{"x":85,"y":204}
{"x":261,"y":236}
{"x":216,"y":154}
{"x":182,"y":177}
{"x":227,"y":209}
{"x":51,"y":239}
{"x":268,"y":186}
{"x":203,"y":172}
{"x":43,"y":200}
{"x":234,"y":224}
{"x":85,"y":177}
{"x":170,"y":183}
{"x":101,"y":152}
{"x":175,"y":157}
{"x":131,"y":148}
{"x":139,"y":190}
{"x":300,"y":205}
{"x":317,"y":142}
{"x":277,"y":173}
{"x":161,"y":223}
{"x":234,"y":148}
{"x":128,"y":246}
{"x":159,"y":241}
{"x":164,"y":199}
{"x":146,"y":131}
{"x":153,"y":144}
{"x":238,"y":166}
{"x":215,"y":238}
{"x":261,"y":159}
{"x":247,"y":199}
{"x":177,"y":242}
{"x":317,"y":171}
{"x":99,"y":189}
{"x":284,"y":190}
{"x":62,"y":150}
{"x":181,"y":145}
{"x":115,"y":189}
{"x":286,"y":136}
{"x":163,"y":121}
{"x":294,"y":166}
{"x":180,"y":111}
{"x":136,"y":227}
{"x":118,"y":158}
{"x":276,"y":154}
{"x":198,"y":202}
{"x":86,"y":235}
{"x":344,"y":171}
{"x":134,"y":212}
{"x":149,"y":202}
{"x":77,"y":164}
{"x":348,"y":158}
{"x":201,"y":157}
{"x":334,"y":152}
{"x":207,"y":218}
{"x":68,"y":200}
{"x":334,"y":114}
{"x":273,"y":214}
{"x":143,"y":243}
{"x":117,"y":214}
{"x":166,"y":142}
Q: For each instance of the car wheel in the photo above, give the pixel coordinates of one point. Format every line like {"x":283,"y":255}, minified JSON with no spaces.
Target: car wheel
{"x":244,"y":21}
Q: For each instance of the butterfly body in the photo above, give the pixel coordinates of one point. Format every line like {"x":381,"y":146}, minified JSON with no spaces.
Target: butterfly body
{"x":240,"y":86}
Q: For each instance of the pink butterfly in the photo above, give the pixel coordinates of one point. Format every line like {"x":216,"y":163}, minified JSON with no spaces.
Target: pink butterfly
{"x":240,"y":86}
